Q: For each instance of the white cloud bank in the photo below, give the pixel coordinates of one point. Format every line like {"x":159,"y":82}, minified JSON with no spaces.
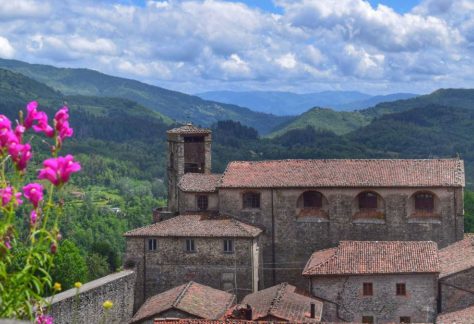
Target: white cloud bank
{"x":212,"y":44}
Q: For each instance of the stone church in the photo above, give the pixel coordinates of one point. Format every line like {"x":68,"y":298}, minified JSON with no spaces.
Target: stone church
{"x":297,"y":207}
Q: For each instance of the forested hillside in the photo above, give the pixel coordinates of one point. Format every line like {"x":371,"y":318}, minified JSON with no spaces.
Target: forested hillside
{"x":122,"y":148}
{"x":178,"y":106}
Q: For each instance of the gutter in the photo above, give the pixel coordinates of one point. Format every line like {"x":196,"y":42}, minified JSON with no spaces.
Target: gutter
{"x":273,"y":244}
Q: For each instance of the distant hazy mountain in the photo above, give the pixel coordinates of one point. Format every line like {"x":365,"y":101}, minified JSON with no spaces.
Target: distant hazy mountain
{"x":288,"y":103}
{"x":176,"y":105}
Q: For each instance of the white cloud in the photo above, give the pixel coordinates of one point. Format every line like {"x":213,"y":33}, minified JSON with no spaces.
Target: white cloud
{"x":198,"y":45}
{"x":6,"y":49}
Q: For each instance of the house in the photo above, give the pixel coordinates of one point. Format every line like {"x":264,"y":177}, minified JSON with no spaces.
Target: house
{"x":309,"y":205}
{"x":280,"y":303}
{"x":456,"y":280}
{"x":376,"y":282}
{"x":213,"y":250}
{"x":190,"y":300}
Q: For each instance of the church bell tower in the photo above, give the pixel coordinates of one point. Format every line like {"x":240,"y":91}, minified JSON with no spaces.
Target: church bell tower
{"x":189,"y":151}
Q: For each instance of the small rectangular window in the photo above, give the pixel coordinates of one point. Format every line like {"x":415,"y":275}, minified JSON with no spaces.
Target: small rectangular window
{"x":368,"y":289}
{"x":401,"y":289}
{"x":368,"y":320}
{"x":251,"y":200}
{"x":202,"y":202}
{"x":228,"y":246}
{"x":405,"y":320}
{"x":190,"y":245}
{"x":152,"y":245}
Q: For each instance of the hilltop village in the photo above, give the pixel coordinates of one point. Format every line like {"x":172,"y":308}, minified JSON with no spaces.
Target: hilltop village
{"x":304,"y":240}
{"x":372,"y":241}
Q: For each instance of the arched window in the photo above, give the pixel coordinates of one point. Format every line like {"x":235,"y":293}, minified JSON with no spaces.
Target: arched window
{"x":368,"y":200}
{"x":424,"y":201}
{"x":312,"y":199}
{"x":251,"y":200}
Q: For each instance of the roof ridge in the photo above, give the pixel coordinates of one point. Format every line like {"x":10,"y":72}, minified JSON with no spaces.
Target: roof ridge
{"x":181,"y":294}
{"x":334,"y":256}
{"x":238,"y":224}
{"x":278,"y":297}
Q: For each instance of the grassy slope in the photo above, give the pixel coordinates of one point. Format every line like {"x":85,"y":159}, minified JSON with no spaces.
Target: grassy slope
{"x":338,"y":122}
{"x":176,"y":105}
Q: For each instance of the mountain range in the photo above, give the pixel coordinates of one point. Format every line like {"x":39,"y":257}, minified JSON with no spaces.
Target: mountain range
{"x":288,"y":103}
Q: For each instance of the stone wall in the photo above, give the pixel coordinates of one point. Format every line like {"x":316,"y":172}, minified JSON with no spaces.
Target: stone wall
{"x":385,"y":306}
{"x":290,"y":239}
{"x":87,"y":307}
{"x":457,"y":291}
{"x":170,"y":265}
{"x":188,"y":201}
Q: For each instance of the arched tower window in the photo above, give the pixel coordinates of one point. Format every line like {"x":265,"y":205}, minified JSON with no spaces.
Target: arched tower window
{"x":368,"y":200}
{"x":369,"y":205}
{"x":312,"y":199}
{"x":311,"y":204}
{"x":424,"y":201}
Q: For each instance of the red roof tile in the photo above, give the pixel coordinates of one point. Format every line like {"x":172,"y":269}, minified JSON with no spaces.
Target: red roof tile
{"x":192,"y":298}
{"x":232,"y":321}
{"x":457,"y":257}
{"x":197,"y":226}
{"x":199,"y":182}
{"x":344,"y":173}
{"x":281,"y":301}
{"x":374,"y":257}
{"x":189,"y":129}
{"x":463,"y":316}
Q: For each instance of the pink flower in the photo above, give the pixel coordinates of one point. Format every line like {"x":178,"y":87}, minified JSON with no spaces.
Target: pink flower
{"x":20,"y":154}
{"x":44,"y":319}
{"x":19,"y":131}
{"x":31,"y":113}
{"x":62,"y":123}
{"x":5,"y":130}
{"x":7,"y":194}
{"x":34,"y":193}
{"x":58,"y":170}
{"x":42,"y":125}
{"x":33,"y":217}
{"x":8,"y":244}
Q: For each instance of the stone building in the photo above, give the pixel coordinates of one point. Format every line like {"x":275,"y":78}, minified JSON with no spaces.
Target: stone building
{"x":280,"y":303}
{"x":461,"y":316}
{"x":456,"y":280}
{"x":308,"y":205}
{"x":219,"y":252}
{"x":376,"y":282}
{"x":190,"y":300}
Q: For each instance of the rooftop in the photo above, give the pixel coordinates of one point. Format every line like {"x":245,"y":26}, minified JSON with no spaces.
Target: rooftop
{"x":374,"y":257}
{"x":197,"y":226}
{"x":192,"y":298}
{"x":189,"y":129}
{"x":199,"y":182}
{"x":232,"y":321}
{"x":463,"y":316}
{"x":457,"y":257}
{"x":344,"y":173}
{"x":281,"y":301}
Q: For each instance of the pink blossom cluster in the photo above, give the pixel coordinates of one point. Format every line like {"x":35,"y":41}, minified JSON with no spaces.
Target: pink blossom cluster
{"x":56,"y":170}
{"x":44,"y":319}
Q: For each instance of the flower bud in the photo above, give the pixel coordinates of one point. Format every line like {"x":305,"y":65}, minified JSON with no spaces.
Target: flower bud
{"x":53,"y":248}
{"x":59,"y":237}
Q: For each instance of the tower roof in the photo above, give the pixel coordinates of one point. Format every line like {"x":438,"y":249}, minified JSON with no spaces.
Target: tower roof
{"x":189,"y":129}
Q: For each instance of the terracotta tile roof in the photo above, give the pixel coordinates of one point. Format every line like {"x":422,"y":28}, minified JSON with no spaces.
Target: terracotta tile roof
{"x":199,"y":182}
{"x":189,"y":129}
{"x":232,"y":321}
{"x":344,"y":173}
{"x":197,"y":226}
{"x":463,"y":316}
{"x":374,"y":257}
{"x":192,"y":298}
{"x":457,"y":257}
{"x":281,"y":301}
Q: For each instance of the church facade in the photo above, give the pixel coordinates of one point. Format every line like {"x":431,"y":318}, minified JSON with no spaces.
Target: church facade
{"x":307,"y":205}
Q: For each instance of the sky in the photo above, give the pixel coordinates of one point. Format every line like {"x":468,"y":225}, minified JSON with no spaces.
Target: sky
{"x":302,"y":46}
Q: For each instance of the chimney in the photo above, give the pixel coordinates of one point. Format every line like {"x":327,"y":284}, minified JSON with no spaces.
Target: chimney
{"x":157,"y":215}
{"x":248,"y":313}
{"x":313,"y":310}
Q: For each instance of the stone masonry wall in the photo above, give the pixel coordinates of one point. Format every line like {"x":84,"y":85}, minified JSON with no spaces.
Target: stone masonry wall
{"x":296,"y":238}
{"x":385,"y":306}
{"x":87,"y":307}
{"x":170,"y":265}
{"x":188,"y":201}
{"x":457,"y":291}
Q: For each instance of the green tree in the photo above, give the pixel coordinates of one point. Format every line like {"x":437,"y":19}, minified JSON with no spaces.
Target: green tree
{"x":70,"y":266}
{"x":97,"y":266}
